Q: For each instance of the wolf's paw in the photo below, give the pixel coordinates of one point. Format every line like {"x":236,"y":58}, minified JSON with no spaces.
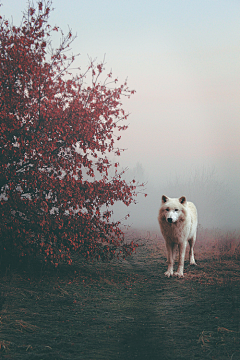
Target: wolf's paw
{"x":168,"y":273}
{"x":193,"y":263}
{"x":178,"y":274}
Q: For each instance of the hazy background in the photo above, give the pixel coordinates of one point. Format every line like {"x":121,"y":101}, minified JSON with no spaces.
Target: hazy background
{"x":183,"y":59}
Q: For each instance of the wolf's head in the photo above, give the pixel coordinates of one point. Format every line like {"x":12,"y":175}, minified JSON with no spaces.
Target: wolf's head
{"x":173,"y":209}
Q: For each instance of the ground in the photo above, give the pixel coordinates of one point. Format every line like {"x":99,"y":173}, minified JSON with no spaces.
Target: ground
{"x":126,"y":309}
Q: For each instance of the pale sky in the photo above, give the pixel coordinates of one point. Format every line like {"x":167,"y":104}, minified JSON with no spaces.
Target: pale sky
{"x":183,"y":59}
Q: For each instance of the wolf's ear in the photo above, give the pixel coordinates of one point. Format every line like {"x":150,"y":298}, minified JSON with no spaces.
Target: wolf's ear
{"x":182,"y":200}
{"x":164,"y":199}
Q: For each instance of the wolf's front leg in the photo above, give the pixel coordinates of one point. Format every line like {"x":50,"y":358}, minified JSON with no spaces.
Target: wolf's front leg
{"x":170,"y":259}
{"x":182,"y":250}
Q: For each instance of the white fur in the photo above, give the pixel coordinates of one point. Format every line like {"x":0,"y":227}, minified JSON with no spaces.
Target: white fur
{"x":178,"y":223}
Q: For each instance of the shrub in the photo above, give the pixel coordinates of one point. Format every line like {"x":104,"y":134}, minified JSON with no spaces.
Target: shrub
{"x":55,"y":136}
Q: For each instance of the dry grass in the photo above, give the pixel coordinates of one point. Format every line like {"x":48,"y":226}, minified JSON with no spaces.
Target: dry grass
{"x":218,"y":244}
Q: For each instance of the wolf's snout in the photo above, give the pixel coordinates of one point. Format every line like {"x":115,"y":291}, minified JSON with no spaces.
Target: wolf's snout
{"x":169,"y":220}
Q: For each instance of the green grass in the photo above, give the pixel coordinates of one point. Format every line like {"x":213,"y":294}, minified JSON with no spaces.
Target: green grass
{"x":123,"y":310}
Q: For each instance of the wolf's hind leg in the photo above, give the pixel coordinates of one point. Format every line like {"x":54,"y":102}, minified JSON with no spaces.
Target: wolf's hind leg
{"x":191,"y":253}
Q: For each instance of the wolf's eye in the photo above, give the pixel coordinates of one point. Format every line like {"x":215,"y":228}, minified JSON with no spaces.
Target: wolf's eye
{"x":176,"y":209}
{"x":167,"y":209}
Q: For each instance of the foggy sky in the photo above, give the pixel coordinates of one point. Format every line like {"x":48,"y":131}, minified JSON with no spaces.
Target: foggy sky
{"x":183,"y":59}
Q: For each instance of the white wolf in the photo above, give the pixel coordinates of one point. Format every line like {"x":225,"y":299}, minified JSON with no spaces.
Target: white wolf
{"x":178,"y":223}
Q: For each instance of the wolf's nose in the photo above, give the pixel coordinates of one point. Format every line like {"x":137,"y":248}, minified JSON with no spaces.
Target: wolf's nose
{"x":169,"y":220}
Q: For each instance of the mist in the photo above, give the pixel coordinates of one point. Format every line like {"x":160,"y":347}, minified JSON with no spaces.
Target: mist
{"x":182,"y":58}
{"x":216,"y":200}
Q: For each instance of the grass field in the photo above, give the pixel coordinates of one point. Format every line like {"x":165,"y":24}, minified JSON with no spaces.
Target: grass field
{"x":127,"y":309}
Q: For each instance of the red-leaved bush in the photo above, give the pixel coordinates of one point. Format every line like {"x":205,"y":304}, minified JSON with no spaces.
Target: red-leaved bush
{"x":57,"y":130}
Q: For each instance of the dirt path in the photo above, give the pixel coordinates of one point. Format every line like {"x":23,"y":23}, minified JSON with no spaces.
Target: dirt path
{"x":125,"y":310}
{"x":181,"y":319}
